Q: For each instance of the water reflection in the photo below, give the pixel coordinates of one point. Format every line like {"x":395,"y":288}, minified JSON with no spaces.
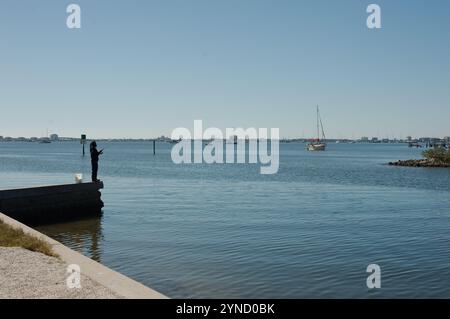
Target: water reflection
{"x":83,"y":236}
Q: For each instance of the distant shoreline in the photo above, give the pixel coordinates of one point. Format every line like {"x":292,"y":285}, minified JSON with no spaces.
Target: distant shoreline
{"x":169,"y":140}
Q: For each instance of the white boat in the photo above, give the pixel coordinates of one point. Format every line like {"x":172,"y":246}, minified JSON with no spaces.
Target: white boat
{"x":318,"y":144}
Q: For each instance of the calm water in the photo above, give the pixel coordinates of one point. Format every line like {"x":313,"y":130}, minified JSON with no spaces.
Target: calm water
{"x":226,"y":231}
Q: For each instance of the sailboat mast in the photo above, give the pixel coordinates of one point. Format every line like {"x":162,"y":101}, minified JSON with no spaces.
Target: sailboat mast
{"x":318,"y":129}
{"x":321,"y":126}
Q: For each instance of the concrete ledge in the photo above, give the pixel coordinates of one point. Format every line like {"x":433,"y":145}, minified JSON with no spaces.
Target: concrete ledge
{"x":47,"y":204}
{"x":105,"y":276}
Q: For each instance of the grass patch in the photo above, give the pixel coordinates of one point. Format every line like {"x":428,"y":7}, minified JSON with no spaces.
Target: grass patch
{"x":11,"y":237}
{"x":438,"y":154}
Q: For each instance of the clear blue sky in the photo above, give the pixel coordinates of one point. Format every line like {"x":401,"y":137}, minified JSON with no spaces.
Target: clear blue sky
{"x":142,"y":68}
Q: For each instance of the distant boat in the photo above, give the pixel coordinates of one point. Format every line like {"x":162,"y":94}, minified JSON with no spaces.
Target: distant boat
{"x":44,"y":140}
{"x":318,"y":144}
{"x":233,"y":140}
{"x":414,"y":144}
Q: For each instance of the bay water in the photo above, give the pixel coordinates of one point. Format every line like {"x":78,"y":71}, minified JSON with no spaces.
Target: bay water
{"x":226,"y":231}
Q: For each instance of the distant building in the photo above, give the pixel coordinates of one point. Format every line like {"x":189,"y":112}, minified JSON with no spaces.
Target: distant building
{"x":163,"y":138}
{"x":408,"y":138}
{"x":54,"y":137}
{"x":364,"y":139}
{"x":424,"y":139}
{"x":446,"y":139}
{"x":374,"y":139}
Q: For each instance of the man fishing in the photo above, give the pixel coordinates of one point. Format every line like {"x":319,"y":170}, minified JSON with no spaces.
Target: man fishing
{"x":95,"y":154}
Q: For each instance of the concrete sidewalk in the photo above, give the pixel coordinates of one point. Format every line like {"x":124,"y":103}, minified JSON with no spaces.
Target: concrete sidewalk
{"x":29,"y":275}
{"x":26,"y":266}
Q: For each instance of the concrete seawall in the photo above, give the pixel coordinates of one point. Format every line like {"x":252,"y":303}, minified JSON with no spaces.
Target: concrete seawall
{"x":108,"y":278}
{"x":40,"y":205}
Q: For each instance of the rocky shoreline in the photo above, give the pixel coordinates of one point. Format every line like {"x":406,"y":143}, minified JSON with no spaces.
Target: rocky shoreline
{"x":420,"y":163}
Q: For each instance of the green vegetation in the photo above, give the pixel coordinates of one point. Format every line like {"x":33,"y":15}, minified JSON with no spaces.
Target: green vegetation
{"x":438,"y":154}
{"x":10,"y":237}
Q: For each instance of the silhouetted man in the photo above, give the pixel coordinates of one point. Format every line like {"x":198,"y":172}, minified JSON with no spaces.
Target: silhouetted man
{"x":94,"y":160}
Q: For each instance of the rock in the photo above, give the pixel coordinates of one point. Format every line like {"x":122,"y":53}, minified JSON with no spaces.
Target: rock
{"x":419,"y":163}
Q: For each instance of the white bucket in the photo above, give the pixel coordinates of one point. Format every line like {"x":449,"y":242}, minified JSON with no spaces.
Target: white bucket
{"x":78,"y":178}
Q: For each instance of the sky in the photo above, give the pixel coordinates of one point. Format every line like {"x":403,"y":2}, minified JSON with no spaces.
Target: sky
{"x":140,"y":69}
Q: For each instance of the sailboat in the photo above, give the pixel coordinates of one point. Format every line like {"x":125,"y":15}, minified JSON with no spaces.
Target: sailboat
{"x":45,"y":140}
{"x":318,"y":144}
